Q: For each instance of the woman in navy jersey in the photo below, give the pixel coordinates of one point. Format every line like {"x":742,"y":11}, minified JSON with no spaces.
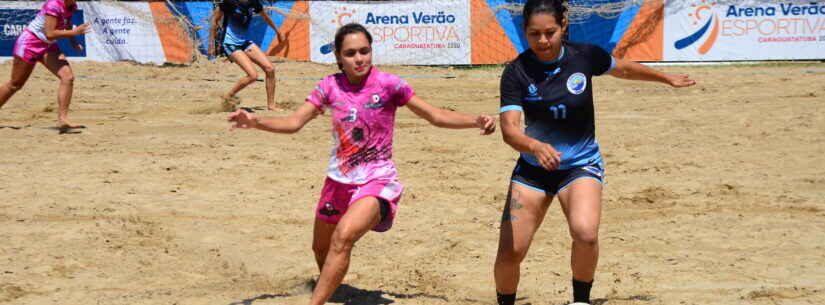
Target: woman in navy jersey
{"x":238,"y":45}
{"x":550,"y":84}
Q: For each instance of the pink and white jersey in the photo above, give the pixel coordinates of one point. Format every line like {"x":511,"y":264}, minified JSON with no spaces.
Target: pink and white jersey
{"x":54,"y":8}
{"x":363,"y":119}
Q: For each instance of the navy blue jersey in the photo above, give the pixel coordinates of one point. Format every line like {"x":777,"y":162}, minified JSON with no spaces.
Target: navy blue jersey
{"x":557,"y":100}
{"x":237,"y":17}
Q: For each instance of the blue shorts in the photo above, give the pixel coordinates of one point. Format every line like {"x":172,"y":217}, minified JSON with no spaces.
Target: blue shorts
{"x":231,"y":47}
{"x":552,"y":182}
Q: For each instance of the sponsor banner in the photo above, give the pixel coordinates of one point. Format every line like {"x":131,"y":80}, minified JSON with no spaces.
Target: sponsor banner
{"x":754,"y":30}
{"x":122,"y":31}
{"x":15,"y":16}
{"x":418,"y":32}
{"x":119,"y":31}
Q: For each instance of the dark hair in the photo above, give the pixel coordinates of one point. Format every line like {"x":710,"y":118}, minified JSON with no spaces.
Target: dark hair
{"x":555,"y":8}
{"x":343,"y":31}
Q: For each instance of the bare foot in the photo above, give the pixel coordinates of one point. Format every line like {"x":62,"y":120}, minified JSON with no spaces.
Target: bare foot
{"x":68,"y":125}
{"x":275,"y":108}
{"x":230,"y":103}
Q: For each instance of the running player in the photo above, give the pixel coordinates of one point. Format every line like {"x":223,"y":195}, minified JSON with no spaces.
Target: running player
{"x":361,"y":191}
{"x":550,"y":84}
{"x":236,"y":43}
{"x":38,"y":43}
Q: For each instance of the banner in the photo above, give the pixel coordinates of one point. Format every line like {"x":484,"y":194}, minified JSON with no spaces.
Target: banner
{"x":118,"y":32}
{"x":756,"y":31}
{"x":404,"y":32}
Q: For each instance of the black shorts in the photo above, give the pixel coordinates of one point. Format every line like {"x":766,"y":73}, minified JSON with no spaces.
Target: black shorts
{"x":552,"y":182}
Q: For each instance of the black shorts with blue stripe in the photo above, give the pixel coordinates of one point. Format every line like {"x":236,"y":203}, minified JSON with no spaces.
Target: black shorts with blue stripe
{"x":552,"y":182}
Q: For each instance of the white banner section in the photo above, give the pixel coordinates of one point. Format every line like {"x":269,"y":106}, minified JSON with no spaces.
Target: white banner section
{"x":749,"y":30}
{"x":120,"y":31}
{"x":416,"y":32}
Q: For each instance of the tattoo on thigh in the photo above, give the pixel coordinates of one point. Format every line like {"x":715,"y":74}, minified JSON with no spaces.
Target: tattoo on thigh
{"x":512,"y":204}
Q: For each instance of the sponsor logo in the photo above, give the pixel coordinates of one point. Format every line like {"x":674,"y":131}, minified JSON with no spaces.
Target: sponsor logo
{"x":702,"y":13}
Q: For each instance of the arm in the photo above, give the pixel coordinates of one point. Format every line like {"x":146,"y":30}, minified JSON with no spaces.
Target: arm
{"x":514,"y":135}
{"x":289,"y":124}
{"x":631,"y":70}
{"x":217,"y":15}
{"x":451,"y":119}
{"x":271,"y":24}
{"x":53,"y":33}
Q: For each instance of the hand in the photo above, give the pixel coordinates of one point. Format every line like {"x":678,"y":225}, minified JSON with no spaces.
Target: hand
{"x":77,"y":46}
{"x":680,"y":80}
{"x":486,"y":123}
{"x":548,"y":157}
{"x":82,"y":29}
{"x":242,"y":119}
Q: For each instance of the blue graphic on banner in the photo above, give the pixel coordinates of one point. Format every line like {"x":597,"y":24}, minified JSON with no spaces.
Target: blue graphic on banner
{"x":13,"y":26}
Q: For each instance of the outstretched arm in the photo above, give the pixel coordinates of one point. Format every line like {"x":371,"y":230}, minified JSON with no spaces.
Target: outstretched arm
{"x":290,"y":124}
{"x":217,"y":15}
{"x":53,"y":33}
{"x":632,"y":70}
{"x":271,"y":24}
{"x":451,"y":119}
{"x":514,"y":135}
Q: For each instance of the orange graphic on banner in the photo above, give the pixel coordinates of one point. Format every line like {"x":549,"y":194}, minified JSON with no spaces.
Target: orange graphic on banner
{"x":295,"y":32}
{"x":177,"y":45}
{"x":643,"y":40}
{"x":490,"y":45}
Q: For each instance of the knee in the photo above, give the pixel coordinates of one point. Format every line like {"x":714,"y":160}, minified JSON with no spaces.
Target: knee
{"x":511,"y":255}
{"x":15,"y":85}
{"x":251,"y":78}
{"x":67,"y":79}
{"x":320,"y":248}
{"x":342,"y":241}
{"x":270,"y":71}
{"x":588,"y":236}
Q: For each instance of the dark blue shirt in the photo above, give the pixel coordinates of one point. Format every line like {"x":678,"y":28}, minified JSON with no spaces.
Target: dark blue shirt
{"x":557,"y":100}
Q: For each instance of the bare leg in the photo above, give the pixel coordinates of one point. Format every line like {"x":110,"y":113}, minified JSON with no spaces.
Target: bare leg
{"x":262,"y":61}
{"x":242,"y":60}
{"x":582,"y":205}
{"x":57,"y":64}
{"x":523,"y":214}
{"x":321,"y":237}
{"x":20,"y":73}
{"x":361,"y":216}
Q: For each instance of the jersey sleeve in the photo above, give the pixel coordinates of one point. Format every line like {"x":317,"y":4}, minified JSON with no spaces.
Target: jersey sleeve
{"x":319,"y":95}
{"x":510,"y":90}
{"x":602,"y":62}
{"x":53,"y":8}
{"x":400,"y":91}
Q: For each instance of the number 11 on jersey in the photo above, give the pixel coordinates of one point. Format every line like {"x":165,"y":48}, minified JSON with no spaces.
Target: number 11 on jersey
{"x":559,"y":111}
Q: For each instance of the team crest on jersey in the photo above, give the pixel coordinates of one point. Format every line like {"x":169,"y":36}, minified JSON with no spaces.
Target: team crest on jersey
{"x":576,"y":83}
{"x":375,"y":102}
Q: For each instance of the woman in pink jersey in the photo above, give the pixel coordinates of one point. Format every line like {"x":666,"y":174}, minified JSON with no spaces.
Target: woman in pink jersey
{"x":38,"y":43}
{"x":361,"y":191}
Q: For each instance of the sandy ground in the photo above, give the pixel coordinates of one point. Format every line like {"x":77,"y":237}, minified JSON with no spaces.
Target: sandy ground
{"x":714,"y":193}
